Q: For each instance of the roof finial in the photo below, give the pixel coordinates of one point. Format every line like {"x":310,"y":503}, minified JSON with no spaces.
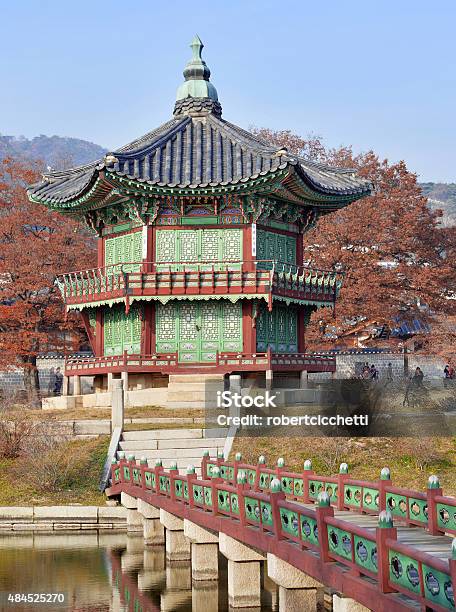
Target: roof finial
{"x":197,"y":86}
{"x":197,"y":47}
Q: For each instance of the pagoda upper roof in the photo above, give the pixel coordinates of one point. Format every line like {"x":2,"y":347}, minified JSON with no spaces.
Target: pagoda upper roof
{"x":198,"y":150}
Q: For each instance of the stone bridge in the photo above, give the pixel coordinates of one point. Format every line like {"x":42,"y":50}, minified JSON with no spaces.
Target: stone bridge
{"x":316,"y":532}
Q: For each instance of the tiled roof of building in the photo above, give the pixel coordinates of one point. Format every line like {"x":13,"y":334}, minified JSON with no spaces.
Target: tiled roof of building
{"x":197,"y":148}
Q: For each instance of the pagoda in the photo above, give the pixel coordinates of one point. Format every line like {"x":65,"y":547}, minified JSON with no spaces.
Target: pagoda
{"x":200,"y":228}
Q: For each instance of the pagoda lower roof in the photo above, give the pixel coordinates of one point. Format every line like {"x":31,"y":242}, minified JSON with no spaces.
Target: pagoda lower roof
{"x":203,"y":152}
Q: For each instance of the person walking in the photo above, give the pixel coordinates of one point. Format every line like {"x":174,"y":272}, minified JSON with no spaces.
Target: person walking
{"x":389,"y":372}
{"x":58,"y":382}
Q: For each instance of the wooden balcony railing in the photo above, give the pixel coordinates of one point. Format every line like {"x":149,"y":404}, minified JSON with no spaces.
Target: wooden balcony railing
{"x":167,"y":363}
{"x":263,"y":277}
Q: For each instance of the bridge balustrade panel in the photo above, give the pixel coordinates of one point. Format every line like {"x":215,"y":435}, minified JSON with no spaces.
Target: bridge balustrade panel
{"x":269,"y":501}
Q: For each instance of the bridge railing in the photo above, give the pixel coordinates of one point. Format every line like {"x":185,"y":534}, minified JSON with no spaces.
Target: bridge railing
{"x":431,"y":509}
{"x":366,"y":551}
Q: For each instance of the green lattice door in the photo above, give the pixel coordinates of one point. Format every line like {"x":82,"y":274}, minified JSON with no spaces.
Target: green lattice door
{"x":277,"y":247}
{"x":277,"y":329}
{"x":126,"y":249}
{"x":122,"y":332}
{"x":197,"y":245}
{"x":197,"y":330}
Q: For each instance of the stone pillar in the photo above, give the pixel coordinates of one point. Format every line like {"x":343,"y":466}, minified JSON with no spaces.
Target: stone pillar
{"x":153,"y":571}
{"x":65,"y":386}
{"x":176,"y":544}
{"x":205,"y":596}
{"x":117,"y":403}
{"x":134,"y":518}
{"x":76,"y":385}
{"x":132,"y":557}
{"x":244,"y":573}
{"x":204,"y":551}
{"x":154,"y":533}
{"x":345,"y":604}
{"x":124,"y":378}
{"x":269,"y":377}
{"x":304,"y":379}
{"x":110,"y":379}
{"x":297,"y":591}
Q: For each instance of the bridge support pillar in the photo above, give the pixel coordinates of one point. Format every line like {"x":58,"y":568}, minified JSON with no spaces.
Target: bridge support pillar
{"x":205,"y":596}
{"x":297,"y":591}
{"x":345,"y":604}
{"x":204,"y":551}
{"x":244,"y":573}
{"x":134,"y":518}
{"x":154,"y":533}
{"x":176,"y":544}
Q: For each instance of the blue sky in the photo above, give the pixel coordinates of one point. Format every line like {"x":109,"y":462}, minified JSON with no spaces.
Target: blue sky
{"x":373,"y":74}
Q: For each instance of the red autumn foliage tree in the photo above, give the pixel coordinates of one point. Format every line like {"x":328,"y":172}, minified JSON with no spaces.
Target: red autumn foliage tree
{"x":36,"y":245}
{"x":399,"y":262}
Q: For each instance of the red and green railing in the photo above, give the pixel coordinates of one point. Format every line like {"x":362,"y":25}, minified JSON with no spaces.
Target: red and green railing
{"x":279,"y":511}
{"x":432,"y":510}
{"x":224,"y":362}
{"x":129,"y":281}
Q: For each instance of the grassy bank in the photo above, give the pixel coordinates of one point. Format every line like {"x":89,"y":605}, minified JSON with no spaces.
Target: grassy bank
{"x":411,"y":460}
{"x":73,"y":485}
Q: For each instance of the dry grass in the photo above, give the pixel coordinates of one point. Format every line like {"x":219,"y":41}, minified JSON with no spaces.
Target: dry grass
{"x":105,"y":413}
{"x":79,"y":487}
{"x":411,"y":461}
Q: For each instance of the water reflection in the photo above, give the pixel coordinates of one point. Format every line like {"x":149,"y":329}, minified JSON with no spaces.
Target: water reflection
{"x":109,"y":572}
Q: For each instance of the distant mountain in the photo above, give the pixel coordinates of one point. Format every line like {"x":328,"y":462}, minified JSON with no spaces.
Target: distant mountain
{"x":443,"y":196}
{"x":54,"y":151}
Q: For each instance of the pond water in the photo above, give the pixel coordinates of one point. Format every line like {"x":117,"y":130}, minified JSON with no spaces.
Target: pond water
{"x":107,"y":572}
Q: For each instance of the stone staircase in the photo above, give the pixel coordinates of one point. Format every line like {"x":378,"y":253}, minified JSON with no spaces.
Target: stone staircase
{"x":186,"y":446}
{"x":193,"y":390}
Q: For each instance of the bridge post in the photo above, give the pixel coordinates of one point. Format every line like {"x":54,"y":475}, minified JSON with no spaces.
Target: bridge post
{"x":433,"y":491}
{"x":269,"y":377}
{"x":176,"y":544}
{"x":323,"y":510}
{"x":204,"y":551}
{"x":385,"y":531}
{"x":385,"y":481}
{"x":297,"y":590}
{"x":153,"y":530}
{"x":244,"y":573}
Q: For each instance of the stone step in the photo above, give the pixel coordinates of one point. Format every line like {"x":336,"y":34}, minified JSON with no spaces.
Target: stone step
{"x":134,"y":445}
{"x":162,"y":434}
{"x":201,"y":395}
{"x":174,"y":453}
{"x":210,"y":386}
{"x":199,"y":404}
{"x":189,"y":378}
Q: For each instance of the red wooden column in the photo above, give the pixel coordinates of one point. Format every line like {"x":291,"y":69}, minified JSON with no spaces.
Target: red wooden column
{"x":301,"y":329}
{"x":148,"y":344}
{"x":100,"y":252}
{"x":150,"y":254}
{"x":99,"y":333}
{"x":248,"y":331}
{"x":247,"y":251}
